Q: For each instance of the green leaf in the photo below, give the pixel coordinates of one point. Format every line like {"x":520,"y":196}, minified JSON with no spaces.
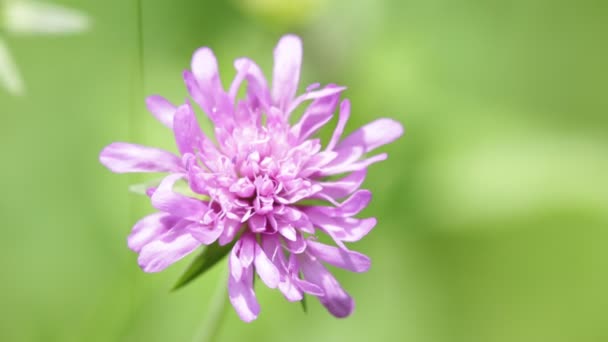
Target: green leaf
{"x":304,"y":304}
{"x":203,"y":262}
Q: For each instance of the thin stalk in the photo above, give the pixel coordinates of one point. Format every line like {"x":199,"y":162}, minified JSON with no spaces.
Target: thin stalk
{"x":212,"y":321}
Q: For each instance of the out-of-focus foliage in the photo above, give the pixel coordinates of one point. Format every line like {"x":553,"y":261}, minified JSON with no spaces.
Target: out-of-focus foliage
{"x":493,"y":207}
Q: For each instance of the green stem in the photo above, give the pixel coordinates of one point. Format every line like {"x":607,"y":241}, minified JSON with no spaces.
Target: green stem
{"x":212,"y":321}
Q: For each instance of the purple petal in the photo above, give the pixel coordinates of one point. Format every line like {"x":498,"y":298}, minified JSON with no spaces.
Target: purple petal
{"x":205,"y":70}
{"x":236,"y":267}
{"x":204,"y":233}
{"x":342,"y":119}
{"x":167,"y":200}
{"x":247,"y":252}
{"x":188,"y":135}
{"x":297,"y":245}
{"x":149,"y":229}
{"x":342,"y":228}
{"x":288,"y":232}
{"x":290,"y":290}
{"x":170,"y":247}
{"x":242,"y":296}
{"x":373,"y":135}
{"x":162,"y":109}
{"x":286,"y":71}
{"x":267,"y":271}
{"x":257,"y":87}
{"x":351,"y":207}
{"x":309,"y":287}
{"x":231,"y":227}
{"x":352,"y":166}
{"x":257,"y":223}
{"x":124,"y":157}
{"x":328,"y":91}
{"x":337,"y":301}
{"x":318,"y":113}
{"x":345,"y":186}
{"x":346,"y":259}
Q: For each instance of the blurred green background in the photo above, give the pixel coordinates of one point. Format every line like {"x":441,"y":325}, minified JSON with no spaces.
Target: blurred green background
{"x":493,"y":207}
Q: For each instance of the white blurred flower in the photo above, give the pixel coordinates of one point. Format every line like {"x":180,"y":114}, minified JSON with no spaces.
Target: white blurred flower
{"x":28,"y":17}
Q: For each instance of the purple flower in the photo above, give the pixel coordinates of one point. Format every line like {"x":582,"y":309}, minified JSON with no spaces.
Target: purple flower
{"x":251,"y":182}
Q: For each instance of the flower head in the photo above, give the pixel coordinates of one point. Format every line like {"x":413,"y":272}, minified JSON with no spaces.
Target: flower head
{"x":252,"y":180}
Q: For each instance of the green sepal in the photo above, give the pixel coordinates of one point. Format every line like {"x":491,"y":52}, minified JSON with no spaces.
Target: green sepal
{"x":203,"y":262}
{"x":304,"y":304}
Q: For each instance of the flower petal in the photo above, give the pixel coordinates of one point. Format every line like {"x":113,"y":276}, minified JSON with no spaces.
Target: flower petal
{"x":318,"y":113}
{"x":167,"y":200}
{"x":267,"y":271}
{"x":149,"y":229}
{"x":337,"y":301}
{"x":342,"y":119}
{"x":242,"y":296}
{"x":231,"y":227}
{"x":170,"y":247}
{"x":205,"y":70}
{"x":204,"y":233}
{"x":352,"y":166}
{"x":329,"y":90}
{"x":351,"y":207}
{"x":373,"y":135}
{"x":162,"y":109}
{"x":345,"y":186}
{"x":188,"y":134}
{"x":286,"y":71}
{"x":122,"y":157}
{"x":257,"y":87}
{"x":346,"y":259}
{"x":347,"y":229}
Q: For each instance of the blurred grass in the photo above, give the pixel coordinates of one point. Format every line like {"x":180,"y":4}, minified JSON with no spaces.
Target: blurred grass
{"x":492,"y":207}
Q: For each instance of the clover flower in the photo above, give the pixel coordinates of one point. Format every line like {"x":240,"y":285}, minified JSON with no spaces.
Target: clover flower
{"x":256,"y":185}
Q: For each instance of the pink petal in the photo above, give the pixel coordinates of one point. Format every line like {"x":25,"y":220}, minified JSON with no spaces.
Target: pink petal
{"x":297,"y":245}
{"x":345,"y":186}
{"x":267,"y":271}
{"x":124,"y":157}
{"x":342,"y":228}
{"x":149,"y":229}
{"x":337,"y":301}
{"x":286,"y":71}
{"x":188,"y":135}
{"x":350,"y":167}
{"x":167,"y":249}
{"x":346,"y":259}
{"x":257,"y":87}
{"x":290,"y":290}
{"x":318,"y":113}
{"x":242,"y":296}
{"x":205,"y":70}
{"x":329,"y":90}
{"x":231,"y":227}
{"x":257,"y":223}
{"x":247,"y":252}
{"x":204,"y":233}
{"x":308,"y":287}
{"x":342,"y":119}
{"x":373,"y":135}
{"x":162,"y":109}
{"x":288,"y":232}
{"x":165,"y":199}
{"x":351,"y":207}
{"x":236,"y":267}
